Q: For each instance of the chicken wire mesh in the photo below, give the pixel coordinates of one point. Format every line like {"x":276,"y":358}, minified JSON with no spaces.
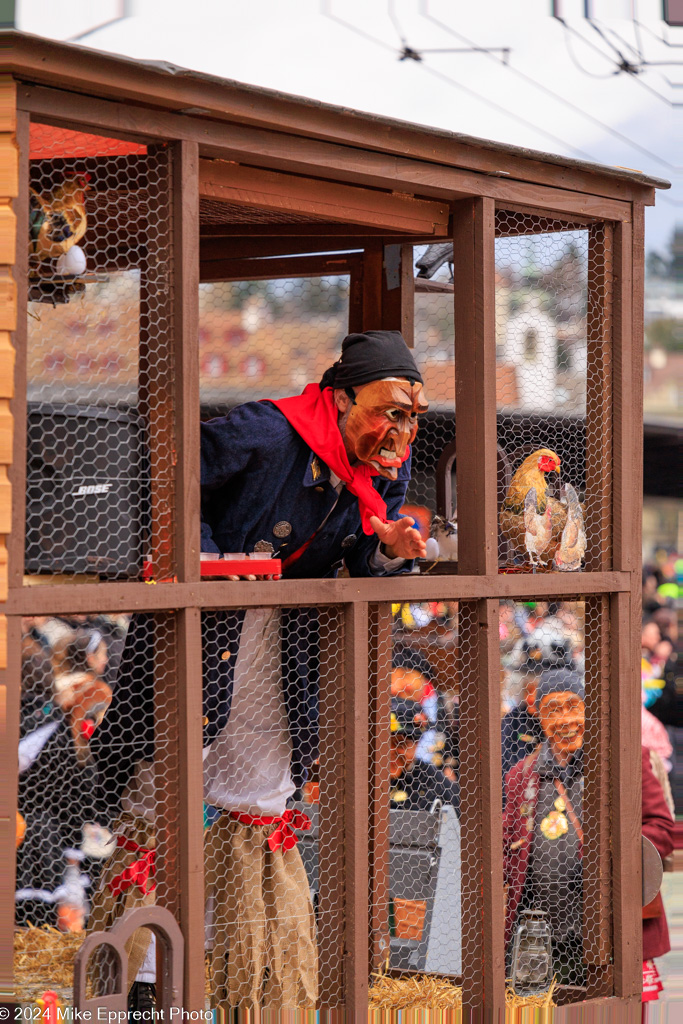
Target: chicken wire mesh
{"x":555,"y":763}
{"x":553,"y":308}
{"x":99,"y":824}
{"x":97,"y":774}
{"x":99,"y":355}
{"x":415,"y":836}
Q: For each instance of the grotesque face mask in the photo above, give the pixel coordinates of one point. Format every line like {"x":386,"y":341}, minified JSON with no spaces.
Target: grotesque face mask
{"x":383,"y":422}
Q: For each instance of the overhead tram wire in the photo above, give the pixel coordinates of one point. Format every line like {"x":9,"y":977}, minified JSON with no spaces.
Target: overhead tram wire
{"x":636,"y":78}
{"x":673,"y":168}
{"x":324,"y":6}
{"x":564,"y":145}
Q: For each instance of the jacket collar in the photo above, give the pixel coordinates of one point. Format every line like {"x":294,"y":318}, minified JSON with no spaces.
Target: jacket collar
{"x":548,"y":768}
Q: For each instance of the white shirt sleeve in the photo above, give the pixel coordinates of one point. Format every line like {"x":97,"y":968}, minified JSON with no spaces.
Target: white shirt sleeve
{"x":382,"y":565}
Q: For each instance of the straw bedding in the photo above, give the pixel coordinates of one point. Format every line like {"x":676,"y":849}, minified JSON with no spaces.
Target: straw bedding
{"x":417,"y":992}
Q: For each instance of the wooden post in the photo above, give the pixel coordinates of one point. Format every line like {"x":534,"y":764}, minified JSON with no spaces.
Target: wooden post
{"x":331,"y":819}
{"x":372,"y":288}
{"x":481,"y":803}
{"x":379,"y":700}
{"x":598,"y":495}
{"x":475,"y":386}
{"x":597,"y":909}
{"x":398,"y":291}
{"x":190,"y":837}
{"x":157,"y":374}
{"x":597,"y":818}
{"x":356,"y":795}
{"x":13,"y":279}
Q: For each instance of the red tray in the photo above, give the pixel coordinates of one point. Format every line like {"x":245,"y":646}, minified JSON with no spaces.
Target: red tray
{"x":232,"y":567}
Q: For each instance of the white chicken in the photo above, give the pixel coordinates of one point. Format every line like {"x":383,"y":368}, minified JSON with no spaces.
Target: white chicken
{"x":443,"y":544}
{"x":572,"y":546}
{"x":538,"y":527}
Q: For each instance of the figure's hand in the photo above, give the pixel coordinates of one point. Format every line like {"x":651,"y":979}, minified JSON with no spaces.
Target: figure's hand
{"x":399,"y":538}
{"x":251,"y":578}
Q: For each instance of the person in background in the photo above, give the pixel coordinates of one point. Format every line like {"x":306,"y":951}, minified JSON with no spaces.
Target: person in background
{"x":415,"y":785}
{"x":658,"y":827}
{"x":412,"y":678}
{"x":542,"y":824}
{"x":521,"y":731}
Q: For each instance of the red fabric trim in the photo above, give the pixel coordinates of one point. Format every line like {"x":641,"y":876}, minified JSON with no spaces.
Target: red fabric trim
{"x":138,"y":873}
{"x":313,"y":415}
{"x":284,"y":836}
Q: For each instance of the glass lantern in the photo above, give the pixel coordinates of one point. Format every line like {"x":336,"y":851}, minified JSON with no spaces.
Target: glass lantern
{"x":532,"y":961}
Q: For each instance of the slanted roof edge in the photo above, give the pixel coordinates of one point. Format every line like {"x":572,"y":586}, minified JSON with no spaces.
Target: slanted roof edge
{"x":36,"y":59}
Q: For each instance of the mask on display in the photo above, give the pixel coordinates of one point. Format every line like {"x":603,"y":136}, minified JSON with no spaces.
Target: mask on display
{"x":381,"y":424}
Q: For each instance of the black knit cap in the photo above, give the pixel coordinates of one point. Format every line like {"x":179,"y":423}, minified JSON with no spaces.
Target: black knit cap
{"x":373,"y":355}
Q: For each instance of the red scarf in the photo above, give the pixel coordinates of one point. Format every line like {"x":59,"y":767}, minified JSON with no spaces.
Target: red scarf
{"x":314,"y":416}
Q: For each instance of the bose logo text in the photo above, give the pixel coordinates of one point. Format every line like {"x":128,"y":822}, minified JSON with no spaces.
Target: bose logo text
{"x":91,"y":489}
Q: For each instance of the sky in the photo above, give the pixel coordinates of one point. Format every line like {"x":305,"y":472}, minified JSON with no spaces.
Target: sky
{"x":558,"y":87}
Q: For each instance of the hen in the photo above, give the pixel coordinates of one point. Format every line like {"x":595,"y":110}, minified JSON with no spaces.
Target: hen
{"x":538,"y":528}
{"x":531,"y":474}
{"x":572,"y":547}
{"x":444,"y":540}
{"x":57,"y":221}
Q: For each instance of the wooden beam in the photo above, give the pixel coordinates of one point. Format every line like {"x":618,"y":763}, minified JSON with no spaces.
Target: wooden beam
{"x":288,"y":193}
{"x":475,"y":385}
{"x":429,"y":176}
{"x":274,"y":269}
{"x":297,"y":233}
{"x":252,"y":109}
{"x":218,"y":249}
{"x":61,"y":598}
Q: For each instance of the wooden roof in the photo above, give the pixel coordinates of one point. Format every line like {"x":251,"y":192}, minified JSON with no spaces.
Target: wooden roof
{"x":207,"y":102}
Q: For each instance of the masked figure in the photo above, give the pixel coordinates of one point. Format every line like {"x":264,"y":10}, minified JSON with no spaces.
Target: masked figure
{"x":319,"y":481}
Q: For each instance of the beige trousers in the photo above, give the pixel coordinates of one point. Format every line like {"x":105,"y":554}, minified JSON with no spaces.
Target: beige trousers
{"x":106,"y":908}
{"x":264,"y":950}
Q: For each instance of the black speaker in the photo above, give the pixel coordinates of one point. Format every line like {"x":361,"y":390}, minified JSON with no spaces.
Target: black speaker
{"x":87,"y":490}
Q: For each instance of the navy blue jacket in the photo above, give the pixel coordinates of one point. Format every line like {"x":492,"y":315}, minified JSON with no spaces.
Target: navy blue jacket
{"x":256,"y":473}
{"x":258,"y":477}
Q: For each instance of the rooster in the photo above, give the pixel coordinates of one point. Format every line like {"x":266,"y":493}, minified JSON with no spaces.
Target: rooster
{"x":531,"y":474}
{"x":572,"y":547}
{"x":57,"y":221}
{"x":538,"y":529}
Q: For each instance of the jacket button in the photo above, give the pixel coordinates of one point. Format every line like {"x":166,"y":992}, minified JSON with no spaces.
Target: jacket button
{"x":320,"y":489}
